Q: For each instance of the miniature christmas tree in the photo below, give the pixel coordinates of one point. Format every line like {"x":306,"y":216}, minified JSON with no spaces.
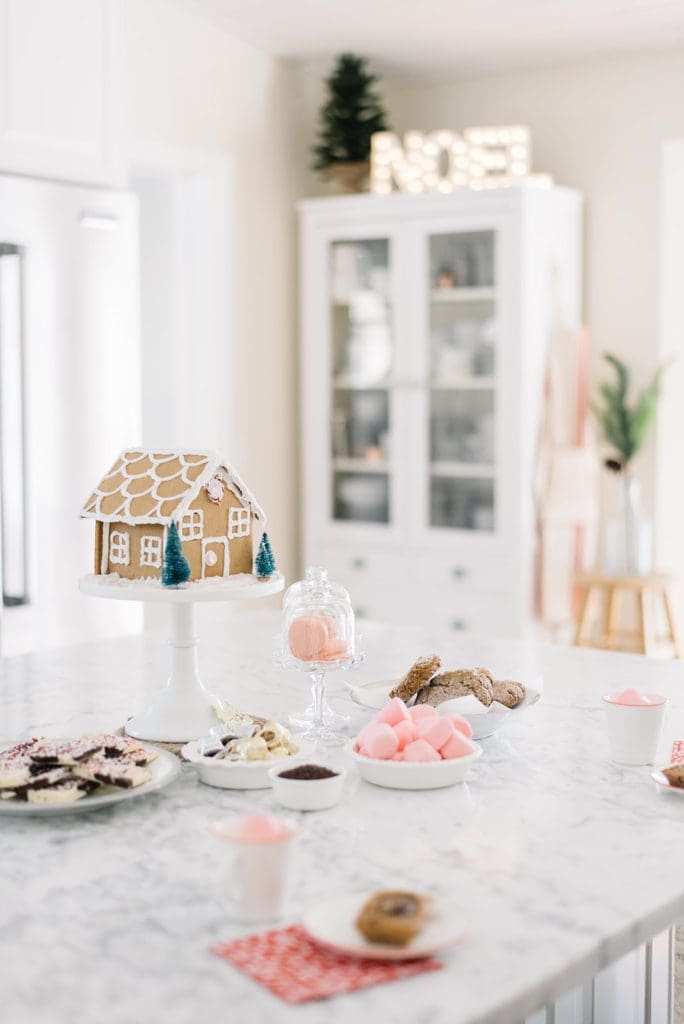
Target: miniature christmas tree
{"x":264,"y":563}
{"x":350,"y":116}
{"x":176,"y":568}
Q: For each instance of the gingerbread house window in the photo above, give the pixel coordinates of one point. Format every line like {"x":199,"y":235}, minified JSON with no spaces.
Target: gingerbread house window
{"x":238,"y":523}
{"x":151,"y":551}
{"x":191,"y":525}
{"x":119,"y":548}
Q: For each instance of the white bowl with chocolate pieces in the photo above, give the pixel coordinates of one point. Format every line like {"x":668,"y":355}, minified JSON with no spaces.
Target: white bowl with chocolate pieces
{"x":43,"y":775}
{"x":242,"y":758}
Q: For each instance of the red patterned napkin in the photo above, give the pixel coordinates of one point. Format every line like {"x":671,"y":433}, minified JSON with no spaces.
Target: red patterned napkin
{"x":293,"y":967}
{"x":677,"y":752}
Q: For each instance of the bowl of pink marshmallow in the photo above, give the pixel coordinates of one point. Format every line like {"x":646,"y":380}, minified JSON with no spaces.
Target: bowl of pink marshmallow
{"x":414,"y":748}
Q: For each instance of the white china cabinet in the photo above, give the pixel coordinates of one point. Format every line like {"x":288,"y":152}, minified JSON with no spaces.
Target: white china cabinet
{"x":424,"y":329}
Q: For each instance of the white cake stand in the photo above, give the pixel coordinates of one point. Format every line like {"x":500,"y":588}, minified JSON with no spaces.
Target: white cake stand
{"x":182,"y":710}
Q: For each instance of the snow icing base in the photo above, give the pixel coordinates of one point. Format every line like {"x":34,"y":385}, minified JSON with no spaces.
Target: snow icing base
{"x":235,"y":582}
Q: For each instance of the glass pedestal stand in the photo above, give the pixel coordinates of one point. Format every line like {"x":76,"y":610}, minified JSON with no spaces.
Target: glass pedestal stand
{"x":318,"y":723}
{"x":182,"y":709}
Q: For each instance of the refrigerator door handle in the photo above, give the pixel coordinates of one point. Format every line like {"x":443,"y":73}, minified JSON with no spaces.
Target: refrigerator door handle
{"x":13,"y":550}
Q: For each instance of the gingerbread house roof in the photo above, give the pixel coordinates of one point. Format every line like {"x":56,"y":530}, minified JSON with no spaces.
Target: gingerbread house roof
{"x":153,"y":485}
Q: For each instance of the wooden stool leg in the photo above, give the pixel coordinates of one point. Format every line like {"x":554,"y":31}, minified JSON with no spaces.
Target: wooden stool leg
{"x":670,"y":620}
{"x":613,"y":602}
{"x":583,"y":623}
{"x":646,"y":621}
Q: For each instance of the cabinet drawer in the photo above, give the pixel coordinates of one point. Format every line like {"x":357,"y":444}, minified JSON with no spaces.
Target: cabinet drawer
{"x":440,"y":609}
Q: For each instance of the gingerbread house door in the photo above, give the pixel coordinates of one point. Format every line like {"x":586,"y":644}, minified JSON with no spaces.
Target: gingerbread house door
{"x":215,"y":557}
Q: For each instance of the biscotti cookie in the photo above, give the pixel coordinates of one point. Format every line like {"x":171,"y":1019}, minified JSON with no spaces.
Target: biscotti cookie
{"x":458,"y":683}
{"x":419,"y":675}
{"x":392,"y":918}
{"x":508,"y":692}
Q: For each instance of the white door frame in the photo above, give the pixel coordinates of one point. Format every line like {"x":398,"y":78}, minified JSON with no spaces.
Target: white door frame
{"x":226,"y":553}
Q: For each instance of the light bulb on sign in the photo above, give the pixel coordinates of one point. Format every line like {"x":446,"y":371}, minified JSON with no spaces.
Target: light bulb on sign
{"x":444,"y":160}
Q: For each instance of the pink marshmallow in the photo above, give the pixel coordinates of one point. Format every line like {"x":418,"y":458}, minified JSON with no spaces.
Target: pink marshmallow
{"x":393,"y":712}
{"x":437,"y":731}
{"x":380,"y":741}
{"x":457,"y":746}
{"x":405,"y":732}
{"x":420,"y":750}
{"x":399,"y":756}
{"x":461,"y":724}
{"x":419,"y":711}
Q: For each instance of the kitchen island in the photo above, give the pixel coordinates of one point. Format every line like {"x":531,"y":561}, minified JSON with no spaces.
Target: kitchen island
{"x":562,"y":861}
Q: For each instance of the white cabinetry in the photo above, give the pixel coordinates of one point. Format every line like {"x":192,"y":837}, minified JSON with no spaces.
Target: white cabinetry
{"x":424,"y":324}
{"x":61,"y":89}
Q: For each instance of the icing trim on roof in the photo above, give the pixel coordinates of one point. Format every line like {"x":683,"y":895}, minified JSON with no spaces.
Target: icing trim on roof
{"x":160,"y":508}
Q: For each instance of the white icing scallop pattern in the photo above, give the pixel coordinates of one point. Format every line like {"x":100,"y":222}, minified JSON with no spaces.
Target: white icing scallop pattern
{"x":153,"y":486}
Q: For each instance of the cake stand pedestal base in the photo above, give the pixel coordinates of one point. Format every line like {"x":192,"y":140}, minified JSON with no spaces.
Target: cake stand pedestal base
{"x":182,"y":709}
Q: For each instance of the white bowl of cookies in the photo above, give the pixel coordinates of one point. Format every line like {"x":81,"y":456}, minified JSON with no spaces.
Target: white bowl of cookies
{"x":485,"y":701}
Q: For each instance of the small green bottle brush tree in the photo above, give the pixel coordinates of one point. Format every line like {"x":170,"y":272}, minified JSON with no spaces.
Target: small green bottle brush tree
{"x":348,"y":119}
{"x":264,"y":563}
{"x":176,"y":569}
{"x":625,"y":424}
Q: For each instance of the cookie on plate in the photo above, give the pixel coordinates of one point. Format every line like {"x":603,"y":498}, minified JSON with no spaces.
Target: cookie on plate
{"x":418,"y":676}
{"x":392,"y":918}
{"x":508,"y":692}
{"x":675,"y":775}
{"x":458,"y":683}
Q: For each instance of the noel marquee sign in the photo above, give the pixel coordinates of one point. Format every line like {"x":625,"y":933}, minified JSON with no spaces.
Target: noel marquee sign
{"x":444,"y":160}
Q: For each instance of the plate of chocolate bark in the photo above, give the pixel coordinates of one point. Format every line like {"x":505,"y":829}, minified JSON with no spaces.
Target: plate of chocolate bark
{"x":486,"y":702}
{"x":43,"y":776}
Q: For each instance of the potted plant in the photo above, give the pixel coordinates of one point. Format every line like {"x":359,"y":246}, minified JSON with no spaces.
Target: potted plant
{"x":351,"y":114}
{"x":624,"y":426}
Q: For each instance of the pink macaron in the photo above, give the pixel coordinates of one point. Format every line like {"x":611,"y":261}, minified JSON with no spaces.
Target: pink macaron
{"x":308,"y":635}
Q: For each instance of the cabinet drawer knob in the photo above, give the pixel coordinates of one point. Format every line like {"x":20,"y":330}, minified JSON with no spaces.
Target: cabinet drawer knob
{"x":458,"y":572}
{"x":358,"y":563}
{"x":360,"y":613}
{"x":458,"y":625}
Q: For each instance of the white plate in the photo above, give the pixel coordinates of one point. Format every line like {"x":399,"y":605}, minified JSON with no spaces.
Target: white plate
{"x":239,"y":774}
{"x":663,"y":784}
{"x":412,"y":774}
{"x":333,"y":924}
{"x":165,"y":768}
{"x":376,"y":694}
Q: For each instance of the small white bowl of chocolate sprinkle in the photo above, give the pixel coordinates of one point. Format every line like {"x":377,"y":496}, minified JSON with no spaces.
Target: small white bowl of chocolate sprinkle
{"x":307,"y":786}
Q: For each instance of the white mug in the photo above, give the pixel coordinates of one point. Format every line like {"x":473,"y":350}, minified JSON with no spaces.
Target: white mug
{"x":634,"y":729}
{"x":255,"y":872}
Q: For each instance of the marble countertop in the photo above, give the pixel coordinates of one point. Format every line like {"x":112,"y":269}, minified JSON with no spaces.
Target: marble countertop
{"x":562,"y":860}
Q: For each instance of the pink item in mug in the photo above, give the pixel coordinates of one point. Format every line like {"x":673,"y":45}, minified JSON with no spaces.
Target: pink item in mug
{"x":254,"y":864}
{"x":633,"y":699}
{"x":307,"y":637}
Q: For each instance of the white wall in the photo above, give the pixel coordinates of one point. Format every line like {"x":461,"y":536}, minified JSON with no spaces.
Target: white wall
{"x":194,"y":87}
{"x":597,"y":126}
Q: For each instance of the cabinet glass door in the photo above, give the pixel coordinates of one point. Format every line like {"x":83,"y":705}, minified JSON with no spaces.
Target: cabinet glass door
{"x":462,"y":380}
{"x":362,"y":356}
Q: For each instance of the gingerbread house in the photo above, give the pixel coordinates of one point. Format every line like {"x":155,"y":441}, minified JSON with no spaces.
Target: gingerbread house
{"x":146,"y":489}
